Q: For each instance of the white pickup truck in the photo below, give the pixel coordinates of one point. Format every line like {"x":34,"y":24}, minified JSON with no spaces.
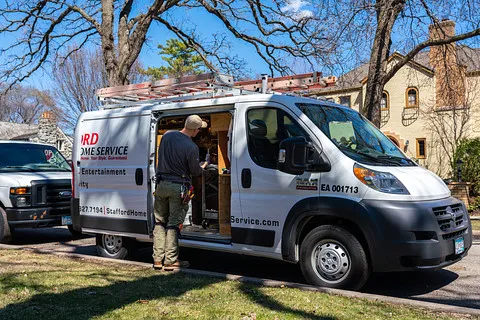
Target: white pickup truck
{"x":35,"y":187}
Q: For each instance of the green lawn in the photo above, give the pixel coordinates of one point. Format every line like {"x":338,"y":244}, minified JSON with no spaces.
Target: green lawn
{"x":476,"y":224}
{"x":35,"y":286}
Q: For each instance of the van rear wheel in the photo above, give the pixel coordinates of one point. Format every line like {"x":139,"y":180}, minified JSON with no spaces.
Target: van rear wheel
{"x":111,"y":246}
{"x":330,"y":256}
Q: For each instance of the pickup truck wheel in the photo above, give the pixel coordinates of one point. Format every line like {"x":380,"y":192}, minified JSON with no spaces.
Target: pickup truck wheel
{"x":110,"y":246}
{"x":5,"y":232}
{"x":330,"y":256}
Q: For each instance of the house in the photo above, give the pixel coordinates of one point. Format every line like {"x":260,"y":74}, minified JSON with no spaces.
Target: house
{"x":429,"y":105}
{"x":46,"y":131}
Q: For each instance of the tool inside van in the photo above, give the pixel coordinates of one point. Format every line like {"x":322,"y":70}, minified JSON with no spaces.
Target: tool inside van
{"x":209,"y":209}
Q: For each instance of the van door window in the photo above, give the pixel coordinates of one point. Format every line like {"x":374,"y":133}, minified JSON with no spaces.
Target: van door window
{"x":266,"y":128}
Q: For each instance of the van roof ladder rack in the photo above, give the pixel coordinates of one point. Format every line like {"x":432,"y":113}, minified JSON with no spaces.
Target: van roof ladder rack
{"x":204,"y":86}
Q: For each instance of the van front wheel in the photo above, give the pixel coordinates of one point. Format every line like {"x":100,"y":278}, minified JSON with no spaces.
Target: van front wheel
{"x":330,"y":256}
{"x":111,"y":246}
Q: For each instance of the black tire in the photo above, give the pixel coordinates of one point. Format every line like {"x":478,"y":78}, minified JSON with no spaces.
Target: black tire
{"x":332,"y":257}
{"x":114,"y":247}
{"x":75,"y":233}
{"x":205,"y":223}
{"x":5,"y":232}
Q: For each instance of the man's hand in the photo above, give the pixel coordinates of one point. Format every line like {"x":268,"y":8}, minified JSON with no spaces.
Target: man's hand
{"x":203,"y":164}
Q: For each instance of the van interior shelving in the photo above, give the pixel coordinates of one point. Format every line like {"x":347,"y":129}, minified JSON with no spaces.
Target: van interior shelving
{"x":208,"y":216}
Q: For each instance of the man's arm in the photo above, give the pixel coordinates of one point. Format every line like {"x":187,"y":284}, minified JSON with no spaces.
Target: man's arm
{"x":194,"y":165}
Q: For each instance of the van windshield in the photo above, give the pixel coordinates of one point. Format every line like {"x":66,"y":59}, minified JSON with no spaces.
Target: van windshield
{"x":355,"y":136}
{"x":31,"y":158}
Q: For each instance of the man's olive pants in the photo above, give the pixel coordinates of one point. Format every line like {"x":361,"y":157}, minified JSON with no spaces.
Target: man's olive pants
{"x":170,"y":213}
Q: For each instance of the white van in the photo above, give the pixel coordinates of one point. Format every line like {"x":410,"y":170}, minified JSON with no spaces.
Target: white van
{"x":294,"y":179}
{"x":35,"y":187}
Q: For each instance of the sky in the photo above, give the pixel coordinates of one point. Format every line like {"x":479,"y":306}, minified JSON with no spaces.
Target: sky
{"x":206,"y":25}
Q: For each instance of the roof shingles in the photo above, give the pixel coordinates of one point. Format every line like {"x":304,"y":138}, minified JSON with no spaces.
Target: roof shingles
{"x":17,"y":131}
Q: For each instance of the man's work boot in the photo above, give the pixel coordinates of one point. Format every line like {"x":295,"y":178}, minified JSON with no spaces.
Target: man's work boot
{"x":158,"y":265}
{"x":175,"y":266}
{"x":171,"y":251}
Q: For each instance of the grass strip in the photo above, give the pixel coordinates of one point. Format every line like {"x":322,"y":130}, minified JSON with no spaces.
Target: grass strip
{"x":37,"y":286}
{"x":476,"y":225}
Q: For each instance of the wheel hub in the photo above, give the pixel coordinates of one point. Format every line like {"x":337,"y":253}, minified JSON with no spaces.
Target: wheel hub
{"x":331,"y":261}
{"x":113,"y":244}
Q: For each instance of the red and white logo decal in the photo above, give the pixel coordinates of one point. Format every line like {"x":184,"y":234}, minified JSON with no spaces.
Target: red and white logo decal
{"x":48,"y":154}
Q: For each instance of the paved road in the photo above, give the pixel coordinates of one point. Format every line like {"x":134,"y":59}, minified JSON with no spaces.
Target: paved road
{"x":457,"y":285}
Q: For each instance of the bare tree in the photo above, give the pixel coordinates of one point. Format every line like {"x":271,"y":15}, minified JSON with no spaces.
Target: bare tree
{"x":450,"y":125}
{"x":76,"y":78}
{"x":420,"y":14}
{"x":275,"y":30}
{"x":370,"y":31}
{"x":24,"y":104}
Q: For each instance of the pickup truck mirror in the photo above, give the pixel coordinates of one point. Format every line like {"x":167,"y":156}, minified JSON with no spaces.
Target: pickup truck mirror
{"x":293,"y":155}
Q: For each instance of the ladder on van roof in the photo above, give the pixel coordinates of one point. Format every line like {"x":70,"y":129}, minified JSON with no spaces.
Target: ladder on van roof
{"x":204,"y":86}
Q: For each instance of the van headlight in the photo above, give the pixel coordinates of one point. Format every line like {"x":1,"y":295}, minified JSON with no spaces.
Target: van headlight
{"x":380,"y":181}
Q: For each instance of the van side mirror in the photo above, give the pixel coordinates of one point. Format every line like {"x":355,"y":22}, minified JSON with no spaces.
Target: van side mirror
{"x":296,"y":155}
{"x":293,"y":155}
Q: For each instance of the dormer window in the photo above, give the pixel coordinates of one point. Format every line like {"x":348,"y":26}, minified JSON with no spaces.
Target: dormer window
{"x":412,"y":98}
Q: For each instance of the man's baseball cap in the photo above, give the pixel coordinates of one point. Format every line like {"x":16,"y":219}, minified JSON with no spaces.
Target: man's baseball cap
{"x":195,"y":122}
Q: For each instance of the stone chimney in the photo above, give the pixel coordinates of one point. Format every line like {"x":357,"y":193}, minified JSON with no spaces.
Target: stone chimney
{"x":47,"y":128}
{"x":450,"y":76}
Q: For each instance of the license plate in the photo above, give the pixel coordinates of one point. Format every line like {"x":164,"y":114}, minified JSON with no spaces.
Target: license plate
{"x":459,"y":245}
{"x":66,"y":220}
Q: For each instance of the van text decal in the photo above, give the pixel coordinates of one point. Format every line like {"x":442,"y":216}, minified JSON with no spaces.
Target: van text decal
{"x":112,"y":211}
{"x":339,"y":188}
{"x":254,"y":221}
{"x":90,"y":150}
{"x":307,"y":184}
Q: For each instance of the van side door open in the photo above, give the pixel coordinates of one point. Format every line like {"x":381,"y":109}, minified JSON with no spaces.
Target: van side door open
{"x":112,"y":166}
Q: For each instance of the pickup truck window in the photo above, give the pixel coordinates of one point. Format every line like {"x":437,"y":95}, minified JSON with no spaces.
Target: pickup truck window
{"x":31,"y":157}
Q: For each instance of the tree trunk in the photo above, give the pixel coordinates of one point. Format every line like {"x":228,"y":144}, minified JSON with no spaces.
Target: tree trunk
{"x":131,"y":36}
{"x":108,"y":43}
{"x":387,"y":12}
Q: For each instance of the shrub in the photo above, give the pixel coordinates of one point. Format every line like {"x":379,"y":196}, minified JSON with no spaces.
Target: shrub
{"x":474,"y":205}
{"x":469,"y":152}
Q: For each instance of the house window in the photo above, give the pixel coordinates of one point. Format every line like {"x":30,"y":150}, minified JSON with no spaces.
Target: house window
{"x":345,"y":101}
{"x":421,"y":148}
{"x":412,"y":98}
{"x":330,"y":100}
{"x":384,"y":102}
{"x":60,"y":145}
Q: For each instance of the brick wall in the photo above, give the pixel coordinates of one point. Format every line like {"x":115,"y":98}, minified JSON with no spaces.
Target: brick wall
{"x":461,"y":191}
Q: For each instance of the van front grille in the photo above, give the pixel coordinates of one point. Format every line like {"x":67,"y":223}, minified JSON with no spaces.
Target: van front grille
{"x":449,"y":217}
{"x":454,"y":234}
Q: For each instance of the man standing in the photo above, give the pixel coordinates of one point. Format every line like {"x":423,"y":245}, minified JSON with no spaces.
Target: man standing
{"x":178,"y":162}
